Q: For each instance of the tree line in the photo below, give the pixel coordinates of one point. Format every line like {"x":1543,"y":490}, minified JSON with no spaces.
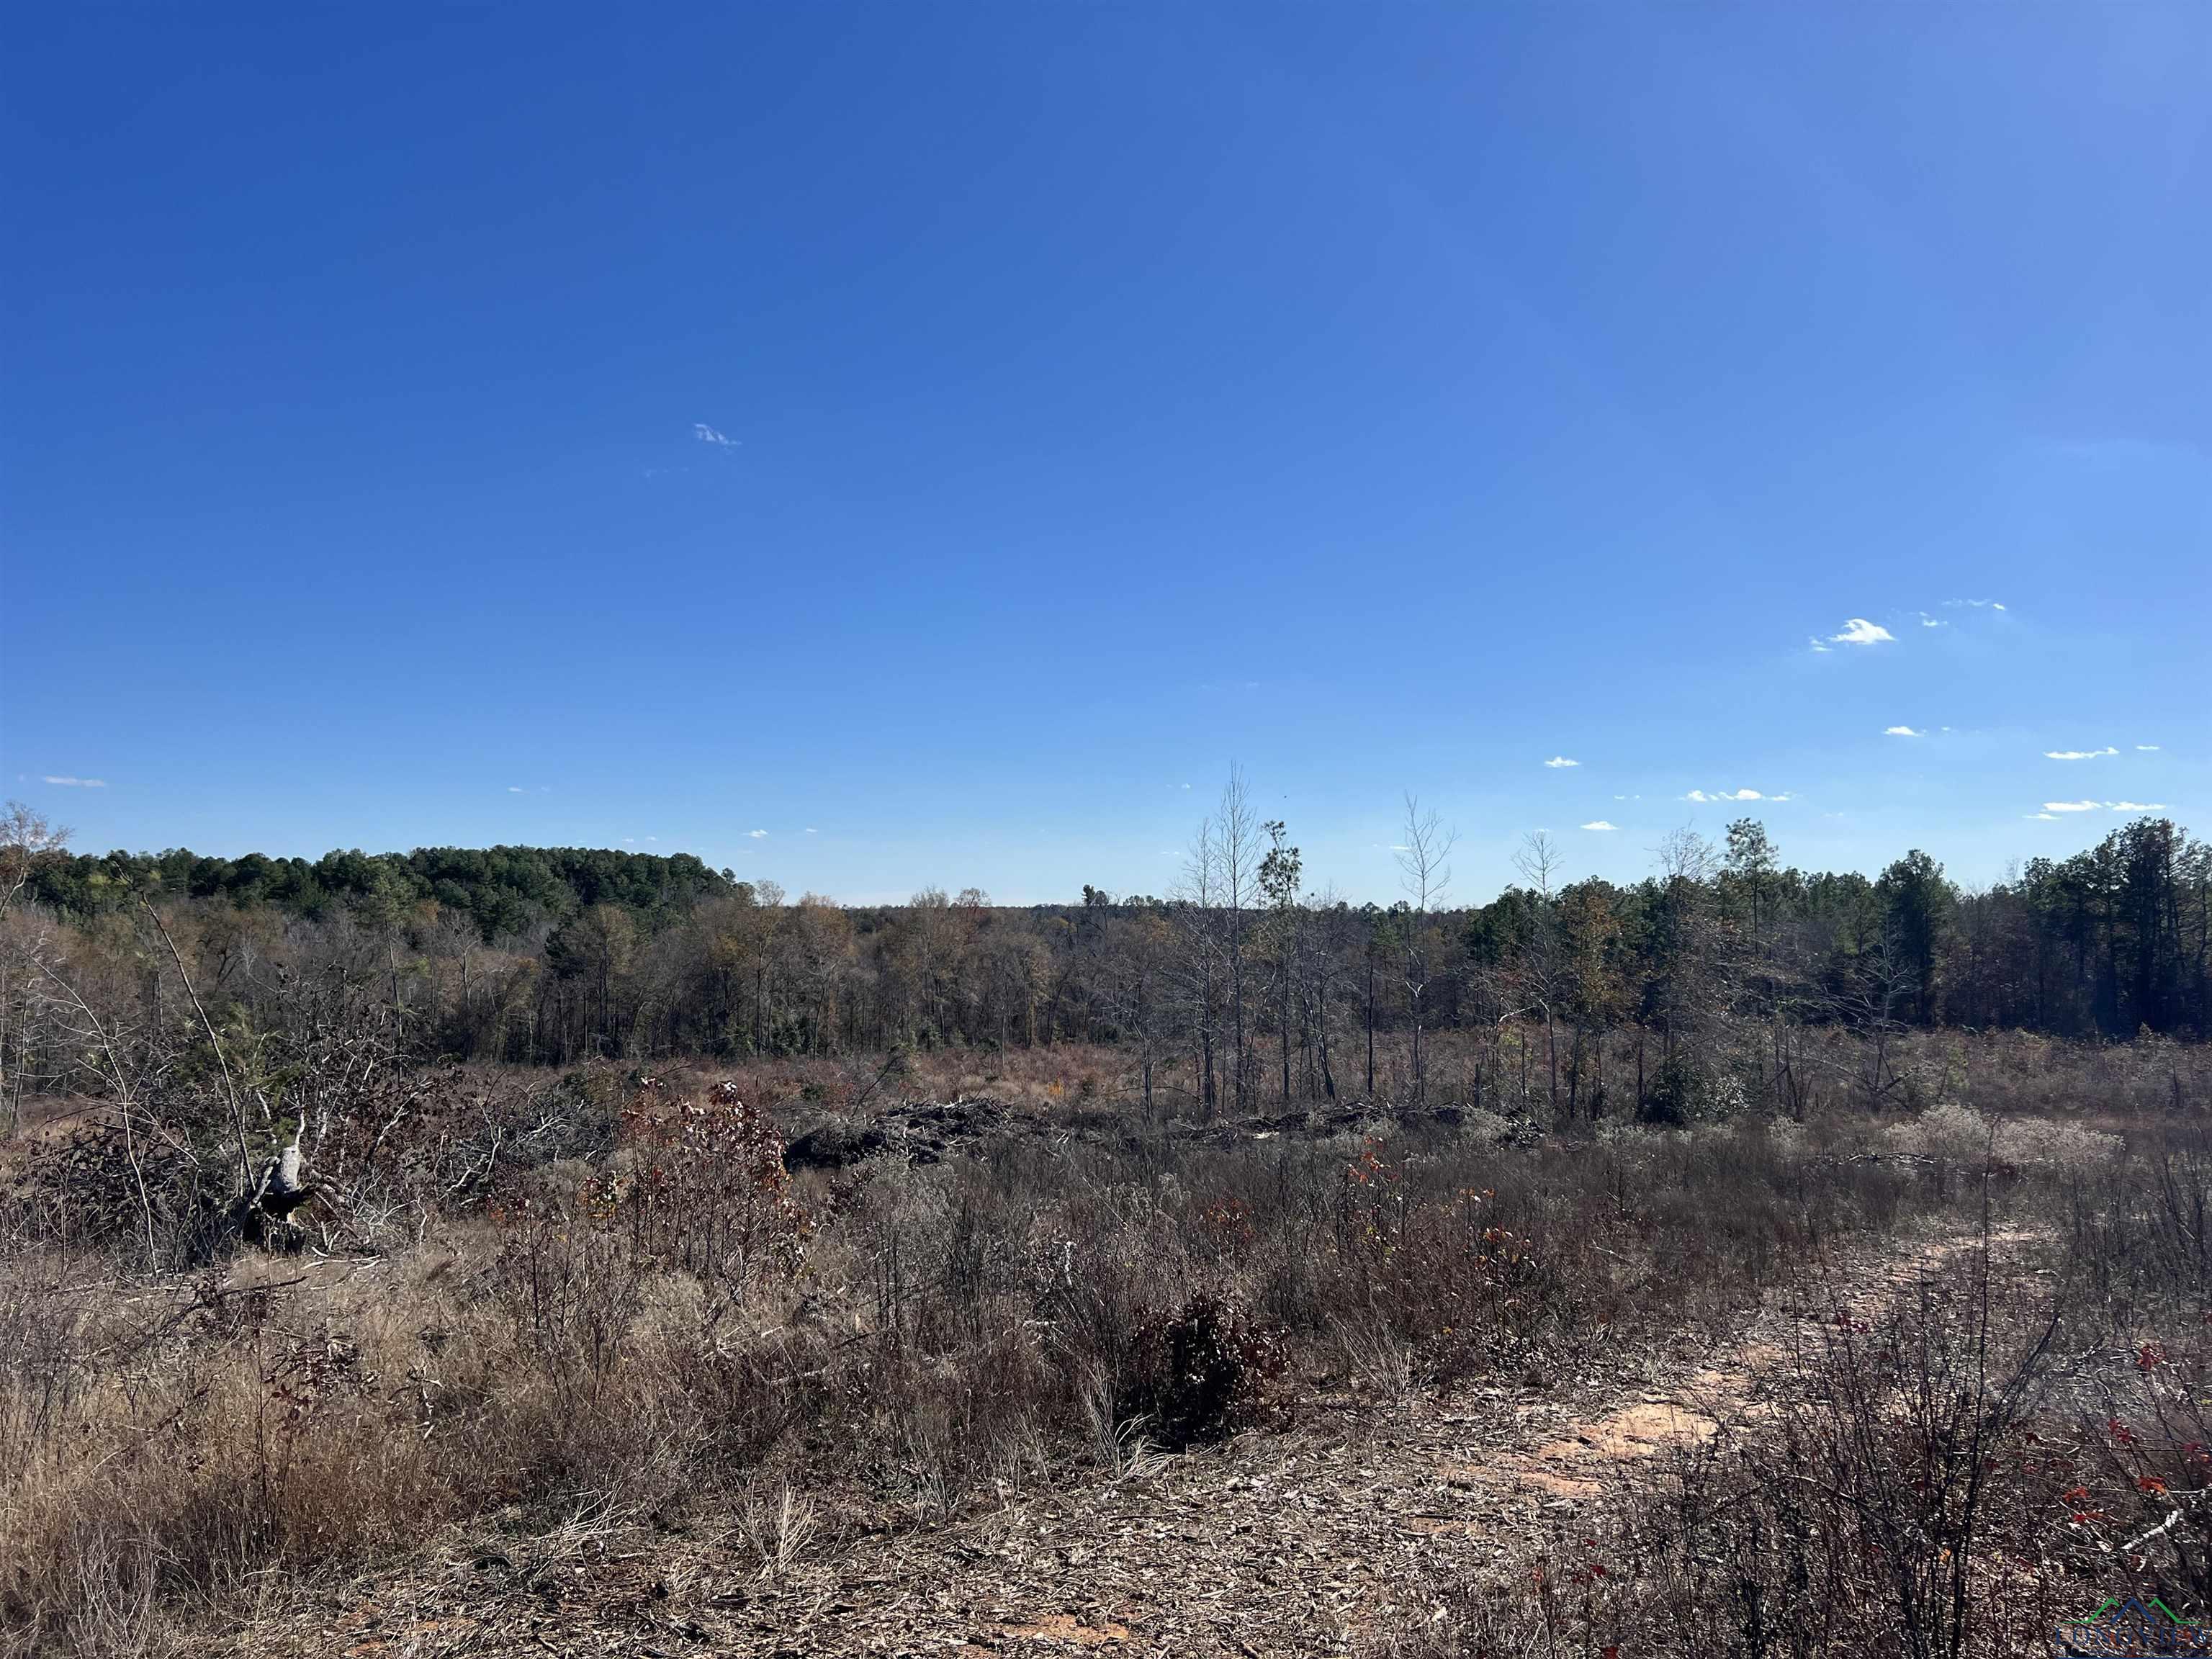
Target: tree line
{"x":1244,"y":984}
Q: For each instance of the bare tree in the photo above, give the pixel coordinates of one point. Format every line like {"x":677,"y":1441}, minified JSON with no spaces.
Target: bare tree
{"x":1683,"y":854}
{"x":1425,"y":871}
{"x":1197,"y":907}
{"x":1539,"y":981}
{"x":1238,"y":837}
{"x":1220,"y":886}
{"x":1142,"y":966}
{"x":1325,"y":962}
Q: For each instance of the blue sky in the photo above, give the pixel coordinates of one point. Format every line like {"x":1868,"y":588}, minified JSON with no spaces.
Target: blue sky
{"x":878,"y":444}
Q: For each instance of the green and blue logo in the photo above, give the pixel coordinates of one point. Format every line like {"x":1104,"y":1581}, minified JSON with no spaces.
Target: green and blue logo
{"x":2132,"y":1626}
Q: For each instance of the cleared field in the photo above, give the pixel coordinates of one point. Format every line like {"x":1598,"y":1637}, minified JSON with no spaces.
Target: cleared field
{"x":581,"y":1365}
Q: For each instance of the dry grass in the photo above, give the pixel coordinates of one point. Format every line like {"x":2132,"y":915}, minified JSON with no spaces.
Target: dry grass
{"x":669,"y":1327}
{"x":1955,"y":1470}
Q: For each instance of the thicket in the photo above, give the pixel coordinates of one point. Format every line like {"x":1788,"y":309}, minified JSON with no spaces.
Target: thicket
{"x":1243,"y":986}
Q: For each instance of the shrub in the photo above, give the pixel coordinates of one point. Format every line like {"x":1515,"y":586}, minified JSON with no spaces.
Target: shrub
{"x":706,"y":1193}
{"x":1196,"y":1373}
{"x":1674,"y":1095}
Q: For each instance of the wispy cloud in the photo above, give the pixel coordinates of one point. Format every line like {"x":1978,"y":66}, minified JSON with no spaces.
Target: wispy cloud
{"x":1859,"y":631}
{"x":1599,"y":823}
{"x":1561,"y":760}
{"x":2048,"y":817}
{"x":2078,"y":753}
{"x":2137,"y":805}
{"x":75,"y":783}
{"x":516,"y":789}
{"x":2146,"y":748}
{"x":757,"y":835}
{"x":1927,"y":621}
{"x":708,"y":434}
{"x":2071,"y":805}
{"x":809,"y":830}
{"x":1710,"y":796}
{"x":1901,"y":731}
{"x":1975,"y":604}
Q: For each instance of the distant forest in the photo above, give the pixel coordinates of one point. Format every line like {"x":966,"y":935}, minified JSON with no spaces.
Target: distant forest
{"x":1245,"y":979}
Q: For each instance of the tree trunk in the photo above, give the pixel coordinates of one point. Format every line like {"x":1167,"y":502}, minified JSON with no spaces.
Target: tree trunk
{"x":1371,"y":1029}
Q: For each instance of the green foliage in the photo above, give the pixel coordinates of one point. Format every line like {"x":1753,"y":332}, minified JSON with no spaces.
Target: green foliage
{"x":505,"y":891}
{"x":1675,"y":1094}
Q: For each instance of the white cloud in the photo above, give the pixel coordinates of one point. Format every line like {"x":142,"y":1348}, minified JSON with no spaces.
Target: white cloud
{"x":1599,"y":823}
{"x":1859,"y":631}
{"x":1901,"y":731}
{"x":516,"y":789}
{"x":1710,"y":796}
{"x":2078,"y":753}
{"x":707,"y":435}
{"x":809,"y":830}
{"x":1931,"y":622}
{"x":2048,"y":817}
{"x":1975,"y":604}
{"x":1561,"y":760}
{"x":1817,"y":645}
{"x":76,"y":783}
{"x":2146,"y":748}
{"x":2070,"y":805}
{"x":757,"y":835}
{"x":2137,"y":805}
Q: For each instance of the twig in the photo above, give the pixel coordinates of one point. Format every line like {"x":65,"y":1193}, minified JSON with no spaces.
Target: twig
{"x":2159,"y":1530}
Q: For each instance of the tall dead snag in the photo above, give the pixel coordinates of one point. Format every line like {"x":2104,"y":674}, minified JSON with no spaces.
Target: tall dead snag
{"x":1425,"y":869}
